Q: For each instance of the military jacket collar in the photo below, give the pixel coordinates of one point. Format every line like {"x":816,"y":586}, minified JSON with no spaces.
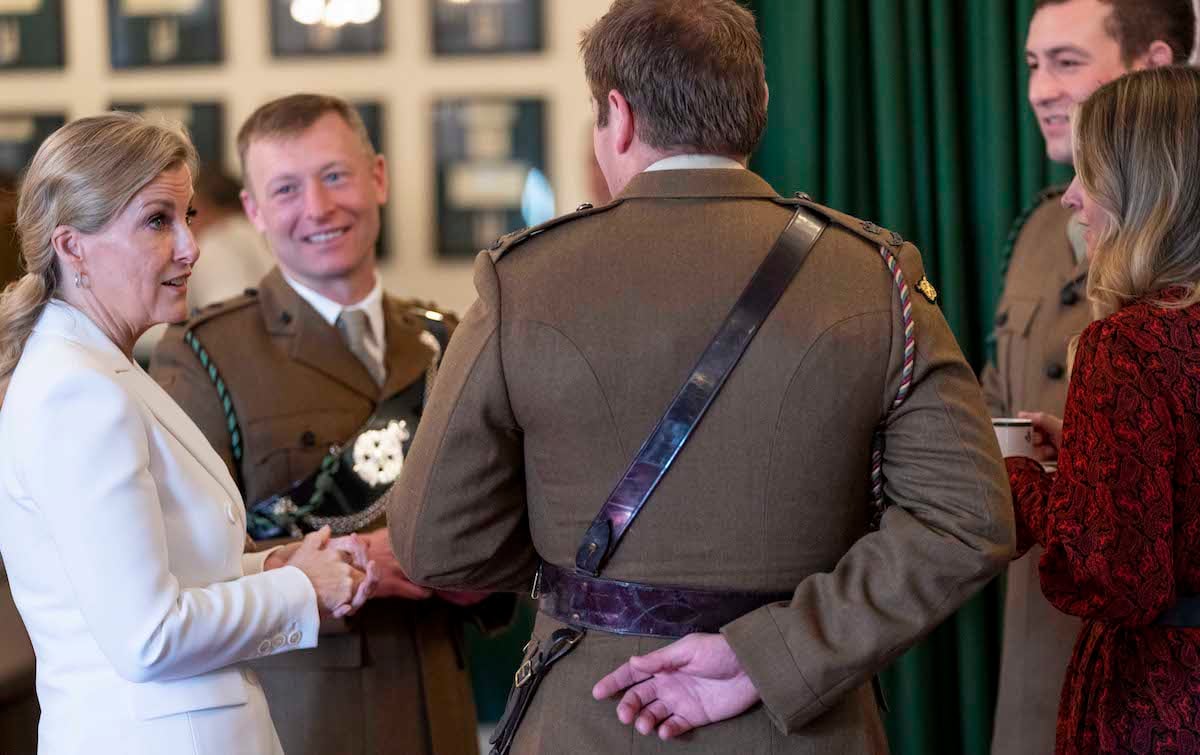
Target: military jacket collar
{"x":319,"y":346}
{"x":714,"y":182}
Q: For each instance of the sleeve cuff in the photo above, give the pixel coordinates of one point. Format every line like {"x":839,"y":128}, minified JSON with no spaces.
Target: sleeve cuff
{"x":256,"y":562}
{"x":304,"y":624}
{"x":766,"y":658}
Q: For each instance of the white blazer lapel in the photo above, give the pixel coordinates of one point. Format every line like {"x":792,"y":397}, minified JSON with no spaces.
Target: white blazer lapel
{"x":182,"y":428}
{"x":62,"y":320}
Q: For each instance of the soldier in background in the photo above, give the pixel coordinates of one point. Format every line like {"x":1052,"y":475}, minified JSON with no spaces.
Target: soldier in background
{"x":1073,"y":47}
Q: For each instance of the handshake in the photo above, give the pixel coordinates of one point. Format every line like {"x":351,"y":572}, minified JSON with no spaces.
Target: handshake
{"x":347,"y":571}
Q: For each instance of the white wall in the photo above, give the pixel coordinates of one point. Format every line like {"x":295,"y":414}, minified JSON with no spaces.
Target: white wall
{"x":406,"y":79}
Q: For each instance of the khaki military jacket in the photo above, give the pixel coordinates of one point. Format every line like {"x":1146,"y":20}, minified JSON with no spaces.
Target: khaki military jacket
{"x":1043,"y":307}
{"x":395,"y":682}
{"x":583,"y":332}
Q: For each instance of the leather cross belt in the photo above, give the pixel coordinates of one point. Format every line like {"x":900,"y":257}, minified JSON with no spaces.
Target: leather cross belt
{"x":633,"y":608}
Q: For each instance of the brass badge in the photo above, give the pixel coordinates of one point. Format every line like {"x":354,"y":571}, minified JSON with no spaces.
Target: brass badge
{"x":927,"y":289}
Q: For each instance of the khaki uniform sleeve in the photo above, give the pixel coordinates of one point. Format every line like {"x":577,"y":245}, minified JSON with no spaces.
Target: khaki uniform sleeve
{"x":177,"y":369}
{"x":947,"y":531}
{"x":457,"y":514}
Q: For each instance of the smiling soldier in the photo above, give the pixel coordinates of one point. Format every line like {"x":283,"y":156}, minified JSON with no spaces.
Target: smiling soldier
{"x":310,"y":388}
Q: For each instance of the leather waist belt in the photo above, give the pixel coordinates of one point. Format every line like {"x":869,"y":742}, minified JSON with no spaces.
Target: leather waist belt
{"x":639,"y":609}
{"x":1185,"y":613}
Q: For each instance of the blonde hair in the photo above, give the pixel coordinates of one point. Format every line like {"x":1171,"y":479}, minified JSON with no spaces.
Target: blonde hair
{"x":82,"y":176}
{"x":1137,"y":141}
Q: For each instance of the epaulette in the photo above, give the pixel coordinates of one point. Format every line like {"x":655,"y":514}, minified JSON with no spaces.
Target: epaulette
{"x":224,"y":307}
{"x":502,"y":245}
{"x":872,"y":232}
{"x":1018,"y":225}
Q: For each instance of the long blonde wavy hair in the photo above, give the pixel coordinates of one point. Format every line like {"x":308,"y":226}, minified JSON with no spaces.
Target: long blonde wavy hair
{"x":1137,"y":154}
{"x":82,"y":176}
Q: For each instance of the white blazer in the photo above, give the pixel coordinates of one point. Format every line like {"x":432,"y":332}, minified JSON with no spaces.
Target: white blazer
{"x":123,"y":535}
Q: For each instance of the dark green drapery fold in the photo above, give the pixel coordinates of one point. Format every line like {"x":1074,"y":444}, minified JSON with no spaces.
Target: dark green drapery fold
{"x":913,"y":113}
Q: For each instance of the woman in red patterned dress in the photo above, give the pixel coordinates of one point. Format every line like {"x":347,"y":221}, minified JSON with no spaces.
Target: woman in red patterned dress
{"x":1120,"y":521}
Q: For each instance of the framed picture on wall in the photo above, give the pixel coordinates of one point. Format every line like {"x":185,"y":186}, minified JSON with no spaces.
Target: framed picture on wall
{"x":147,"y":33}
{"x":31,"y":34}
{"x":20,"y":136}
{"x":490,"y":172}
{"x":486,"y":26}
{"x":371,"y":113}
{"x":327,"y":27}
{"x":205,"y":122}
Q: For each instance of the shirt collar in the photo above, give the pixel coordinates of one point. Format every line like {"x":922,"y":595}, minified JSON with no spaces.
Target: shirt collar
{"x":329,"y":310}
{"x":696,"y":162}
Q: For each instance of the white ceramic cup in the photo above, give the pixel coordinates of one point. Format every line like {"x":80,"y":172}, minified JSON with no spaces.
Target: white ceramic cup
{"x":1015,"y":436}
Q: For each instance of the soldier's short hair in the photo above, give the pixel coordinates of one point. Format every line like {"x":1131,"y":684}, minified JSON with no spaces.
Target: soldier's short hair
{"x":292,"y":115}
{"x":1136,"y":24}
{"x":691,"y":70}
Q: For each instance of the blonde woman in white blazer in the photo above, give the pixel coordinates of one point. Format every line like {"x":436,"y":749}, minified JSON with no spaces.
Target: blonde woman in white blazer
{"x":121,"y":528}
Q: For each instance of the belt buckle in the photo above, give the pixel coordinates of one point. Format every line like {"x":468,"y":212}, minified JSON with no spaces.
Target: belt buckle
{"x":524,"y":674}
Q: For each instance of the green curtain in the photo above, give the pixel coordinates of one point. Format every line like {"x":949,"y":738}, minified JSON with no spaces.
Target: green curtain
{"x":913,"y":113}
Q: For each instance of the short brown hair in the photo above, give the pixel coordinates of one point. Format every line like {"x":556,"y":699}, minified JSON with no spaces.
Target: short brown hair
{"x":1136,"y":24}
{"x":294,"y":114}
{"x":692,"y":71}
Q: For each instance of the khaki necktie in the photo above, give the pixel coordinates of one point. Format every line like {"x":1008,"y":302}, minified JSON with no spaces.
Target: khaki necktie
{"x":356,"y":331}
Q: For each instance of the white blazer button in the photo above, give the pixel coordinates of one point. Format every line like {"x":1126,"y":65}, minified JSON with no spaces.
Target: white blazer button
{"x":229,"y":513}
{"x":294,"y":638}
{"x":264,"y":647}
{"x":278,"y":641}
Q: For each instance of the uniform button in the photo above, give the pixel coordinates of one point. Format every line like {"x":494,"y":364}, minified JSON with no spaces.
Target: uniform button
{"x":1054,"y":371}
{"x":584,"y":206}
{"x":278,"y":641}
{"x":264,"y":647}
{"x":1070,"y":297}
{"x":308,"y":439}
{"x":1001,"y":319}
{"x":294,"y":638}
{"x":285,"y":317}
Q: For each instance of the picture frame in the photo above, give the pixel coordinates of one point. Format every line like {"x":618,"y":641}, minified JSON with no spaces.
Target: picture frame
{"x":491,"y":174}
{"x":204,"y":121}
{"x":293,"y":37}
{"x":487,"y":27}
{"x":31,"y":35}
{"x":21,"y":133}
{"x":154,"y":33}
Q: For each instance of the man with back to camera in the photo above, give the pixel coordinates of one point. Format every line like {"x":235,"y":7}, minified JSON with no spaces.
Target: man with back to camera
{"x":1073,"y":47}
{"x":277,"y":376}
{"x":758,"y":547}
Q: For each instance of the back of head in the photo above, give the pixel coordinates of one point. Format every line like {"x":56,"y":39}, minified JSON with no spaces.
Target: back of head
{"x":82,"y":176}
{"x":293,"y":115}
{"x":1136,"y":24}
{"x":691,"y":70}
{"x":1136,"y":142}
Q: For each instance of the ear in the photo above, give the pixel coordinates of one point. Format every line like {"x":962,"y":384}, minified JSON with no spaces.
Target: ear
{"x":250,"y":207}
{"x":1157,"y":55}
{"x":379,"y":178}
{"x":621,"y":121}
{"x":67,"y":245}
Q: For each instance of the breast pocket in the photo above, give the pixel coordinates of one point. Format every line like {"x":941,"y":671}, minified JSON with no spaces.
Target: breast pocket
{"x":283,"y":449}
{"x":1013,"y":323}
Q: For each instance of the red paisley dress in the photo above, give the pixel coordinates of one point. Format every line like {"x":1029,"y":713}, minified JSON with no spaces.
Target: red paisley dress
{"x":1121,"y":526}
